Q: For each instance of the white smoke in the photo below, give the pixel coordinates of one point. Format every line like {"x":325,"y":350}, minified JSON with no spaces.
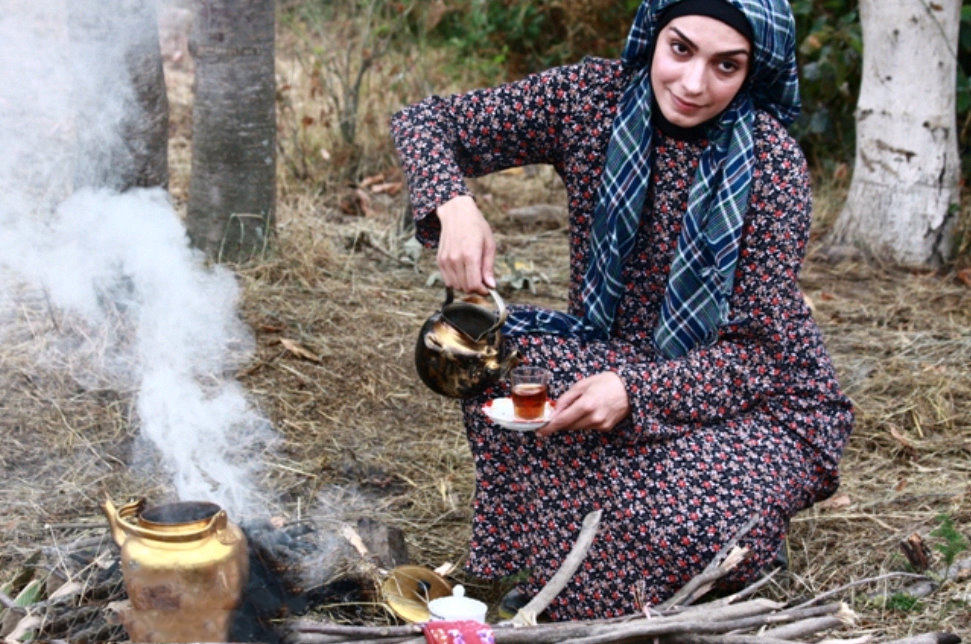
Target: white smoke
{"x":153,"y":318}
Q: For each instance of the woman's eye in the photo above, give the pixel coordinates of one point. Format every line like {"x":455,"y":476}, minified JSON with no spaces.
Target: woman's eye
{"x":679,"y":48}
{"x":728,"y":66}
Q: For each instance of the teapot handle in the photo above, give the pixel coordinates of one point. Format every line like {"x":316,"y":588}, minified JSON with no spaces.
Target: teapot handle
{"x":501,"y":312}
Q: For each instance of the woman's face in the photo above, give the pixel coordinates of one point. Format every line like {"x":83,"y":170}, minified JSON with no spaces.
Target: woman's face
{"x":699,"y":65}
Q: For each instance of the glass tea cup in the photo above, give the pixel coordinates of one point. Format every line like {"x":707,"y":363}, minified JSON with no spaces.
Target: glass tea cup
{"x":530,"y":390}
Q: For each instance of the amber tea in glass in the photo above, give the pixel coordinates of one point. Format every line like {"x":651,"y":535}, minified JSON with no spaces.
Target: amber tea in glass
{"x":529,"y":387}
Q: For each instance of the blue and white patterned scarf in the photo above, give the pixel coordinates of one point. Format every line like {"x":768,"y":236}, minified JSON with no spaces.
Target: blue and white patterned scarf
{"x":702,"y":273}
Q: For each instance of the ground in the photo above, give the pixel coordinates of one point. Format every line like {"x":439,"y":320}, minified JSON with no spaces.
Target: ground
{"x":335,"y":309}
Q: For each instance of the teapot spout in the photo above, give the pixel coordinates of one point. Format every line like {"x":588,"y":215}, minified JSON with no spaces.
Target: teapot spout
{"x":508,"y":364}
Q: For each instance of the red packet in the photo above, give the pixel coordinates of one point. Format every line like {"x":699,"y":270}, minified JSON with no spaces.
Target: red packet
{"x":458,"y":632}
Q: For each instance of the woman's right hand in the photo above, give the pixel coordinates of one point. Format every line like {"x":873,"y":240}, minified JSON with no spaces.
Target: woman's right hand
{"x":466,"y":247}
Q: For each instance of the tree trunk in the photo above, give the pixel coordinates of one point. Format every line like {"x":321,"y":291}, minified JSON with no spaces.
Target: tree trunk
{"x":232,"y":187}
{"x":902,"y":203}
{"x":119,"y":93}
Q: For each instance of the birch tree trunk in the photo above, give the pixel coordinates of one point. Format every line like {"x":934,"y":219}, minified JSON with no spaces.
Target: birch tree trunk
{"x":903,"y":199}
{"x":232,"y":185}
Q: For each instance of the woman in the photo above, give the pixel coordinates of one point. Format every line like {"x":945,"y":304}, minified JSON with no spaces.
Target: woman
{"x":694,"y":390}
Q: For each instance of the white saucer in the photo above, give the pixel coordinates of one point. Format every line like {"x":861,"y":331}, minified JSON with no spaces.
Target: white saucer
{"x":499,"y":411}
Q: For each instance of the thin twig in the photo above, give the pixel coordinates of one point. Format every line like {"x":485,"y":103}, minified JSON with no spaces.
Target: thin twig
{"x":860,"y":582}
{"x":527,"y":614}
{"x":6,"y":600}
{"x":714,"y":570}
{"x":929,"y":638}
{"x":804,"y":627}
{"x":745,"y":592}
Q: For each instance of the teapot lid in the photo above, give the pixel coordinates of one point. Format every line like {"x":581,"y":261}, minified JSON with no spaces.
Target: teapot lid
{"x":456,"y":603}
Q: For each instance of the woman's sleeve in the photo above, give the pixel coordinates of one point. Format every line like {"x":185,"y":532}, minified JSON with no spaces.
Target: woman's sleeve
{"x":442,"y":140}
{"x":766,"y":336}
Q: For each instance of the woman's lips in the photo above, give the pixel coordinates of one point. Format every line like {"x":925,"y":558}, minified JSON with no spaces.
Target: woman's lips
{"x":683,"y":105}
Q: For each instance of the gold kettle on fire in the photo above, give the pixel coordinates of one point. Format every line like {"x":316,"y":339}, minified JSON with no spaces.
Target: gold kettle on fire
{"x":184,"y":566}
{"x":459,"y":348}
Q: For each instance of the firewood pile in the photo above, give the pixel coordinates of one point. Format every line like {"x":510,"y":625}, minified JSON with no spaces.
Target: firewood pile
{"x":73,"y":591}
{"x":728,"y":620}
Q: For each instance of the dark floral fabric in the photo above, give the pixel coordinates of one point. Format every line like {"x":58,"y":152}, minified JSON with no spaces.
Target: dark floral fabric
{"x":753,"y":425}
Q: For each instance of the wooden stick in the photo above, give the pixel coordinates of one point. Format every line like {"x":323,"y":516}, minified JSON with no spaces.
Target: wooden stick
{"x":804,"y":627}
{"x":317,"y":638}
{"x":362,"y":632}
{"x":709,"y":613}
{"x":929,"y":638}
{"x":729,"y":554}
{"x":701,"y":583}
{"x":658,"y":627}
{"x":527,"y":614}
{"x":745,"y":592}
{"x":78,"y":525}
{"x":860,"y":582}
{"x":687,"y":638}
{"x":6,"y":600}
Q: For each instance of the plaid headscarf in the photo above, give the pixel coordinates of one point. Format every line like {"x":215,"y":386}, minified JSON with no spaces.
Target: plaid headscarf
{"x":702,"y":273}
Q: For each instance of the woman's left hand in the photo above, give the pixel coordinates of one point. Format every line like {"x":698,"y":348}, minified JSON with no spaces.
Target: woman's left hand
{"x":598,"y":402}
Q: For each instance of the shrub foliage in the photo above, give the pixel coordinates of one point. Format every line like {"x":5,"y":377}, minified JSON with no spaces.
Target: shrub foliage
{"x":512,"y":37}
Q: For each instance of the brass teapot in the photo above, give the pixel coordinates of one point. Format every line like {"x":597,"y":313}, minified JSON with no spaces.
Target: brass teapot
{"x":184,"y":566}
{"x":458,"y":353}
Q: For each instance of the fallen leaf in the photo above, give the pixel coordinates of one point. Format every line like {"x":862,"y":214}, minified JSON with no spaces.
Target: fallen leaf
{"x":373,"y":179}
{"x":905,"y":442}
{"x":900,"y":438}
{"x":826,"y":296}
{"x":917,"y":552}
{"x":356,"y":202}
{"x":842,"y":172}
{"x":24,"y":627}
{"x":67,"y":589}
{"x":965,"y":276}
{"x":391,"y":187}
{"x":809,"y":302}
{"x":835,"y":502}
{"x":446,"y":569}
{"x":298,"y":350}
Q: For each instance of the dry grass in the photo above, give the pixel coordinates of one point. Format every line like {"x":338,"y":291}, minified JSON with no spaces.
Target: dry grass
{"x":361,"y":436}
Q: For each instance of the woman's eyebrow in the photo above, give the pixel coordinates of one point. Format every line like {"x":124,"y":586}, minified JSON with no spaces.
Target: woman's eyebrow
{"x":692,"y":45}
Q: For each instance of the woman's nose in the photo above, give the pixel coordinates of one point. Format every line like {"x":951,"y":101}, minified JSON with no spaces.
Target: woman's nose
{"x":693,"y":78}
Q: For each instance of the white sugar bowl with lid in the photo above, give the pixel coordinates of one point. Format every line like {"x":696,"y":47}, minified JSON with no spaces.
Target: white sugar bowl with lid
{"x":456,"y":607}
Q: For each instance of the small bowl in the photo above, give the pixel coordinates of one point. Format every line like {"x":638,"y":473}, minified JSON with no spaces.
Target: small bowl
{"x":408,"y":589}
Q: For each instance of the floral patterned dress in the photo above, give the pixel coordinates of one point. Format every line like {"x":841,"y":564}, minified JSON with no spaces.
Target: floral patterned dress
{"x":753,"y":425}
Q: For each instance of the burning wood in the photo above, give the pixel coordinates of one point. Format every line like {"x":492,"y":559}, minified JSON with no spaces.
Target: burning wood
{"x":75,"y":590}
